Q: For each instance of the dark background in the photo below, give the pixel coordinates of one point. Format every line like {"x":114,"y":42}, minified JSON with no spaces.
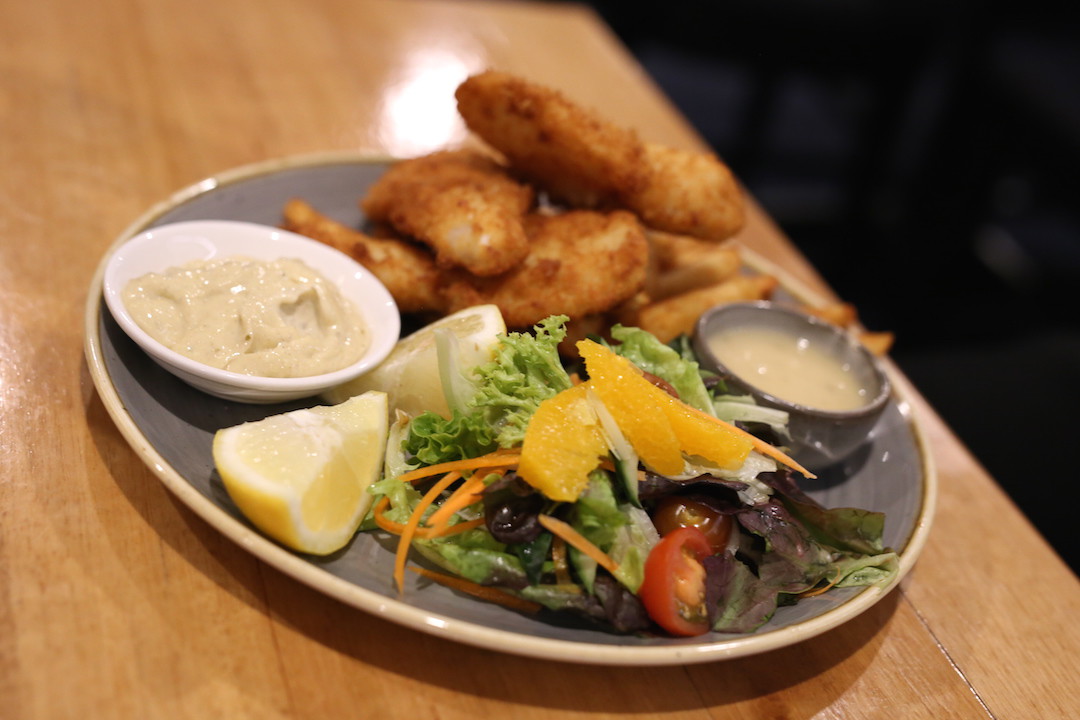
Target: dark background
{"x":923,"y":156}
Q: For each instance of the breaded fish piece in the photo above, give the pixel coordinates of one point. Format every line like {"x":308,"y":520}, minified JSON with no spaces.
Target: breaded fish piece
{"x":461,"y":203}
{"x":580,"y":263}
{"x":407,"y":270}
{"x":574,"y":154}
{"x":689,"y":193}
{"x":585,"y":161}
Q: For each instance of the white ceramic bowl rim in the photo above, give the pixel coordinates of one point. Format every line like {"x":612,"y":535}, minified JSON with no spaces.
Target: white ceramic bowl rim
{"x":165,"y":246}
{"x":872,"y":407}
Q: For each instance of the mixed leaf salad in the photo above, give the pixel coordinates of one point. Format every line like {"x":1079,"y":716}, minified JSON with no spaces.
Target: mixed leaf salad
{"x":630,"y":489}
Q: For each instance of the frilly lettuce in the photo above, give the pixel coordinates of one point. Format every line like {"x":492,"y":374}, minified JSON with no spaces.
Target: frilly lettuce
{"x":524,"y":371}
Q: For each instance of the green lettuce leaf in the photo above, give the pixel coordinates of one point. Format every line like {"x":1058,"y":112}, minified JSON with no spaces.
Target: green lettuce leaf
{"x":846,"y":529}
{"x":631,"y":546}
{"x":475,"y":555}
{"x":620,"y":529}
{"x":596,"y":516}
{"x":433,"y":439}
{"x":524,"y":371}
{"x":858,"y":570}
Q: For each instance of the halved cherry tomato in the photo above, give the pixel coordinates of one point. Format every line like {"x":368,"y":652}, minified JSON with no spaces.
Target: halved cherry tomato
{"x":673,"y":591}
{"x":674,"y":512}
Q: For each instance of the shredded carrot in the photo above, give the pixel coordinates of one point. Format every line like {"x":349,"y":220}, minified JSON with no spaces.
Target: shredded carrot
{"x":760,"y":445}
{"x":409,"y":531}
{"x":385,"y":523}
{"x":421,"y":532}
{"x":818,"y":591}
{"x":496,"y":459}
{"x":468,"y":493}
{"x":378,"y":513}
{"x":481,"y":591}
{"x":573,"y":537}
{"x":558,"y":557}
{"x":448,"y":530}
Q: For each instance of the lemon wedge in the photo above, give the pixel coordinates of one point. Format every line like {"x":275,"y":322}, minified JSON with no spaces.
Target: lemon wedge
{"x":410,"y":373}
{"x":302,"y":477}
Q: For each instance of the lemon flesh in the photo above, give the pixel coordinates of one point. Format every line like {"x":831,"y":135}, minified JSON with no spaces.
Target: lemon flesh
{"x":302,"y":477}
{"x":410,"y":373}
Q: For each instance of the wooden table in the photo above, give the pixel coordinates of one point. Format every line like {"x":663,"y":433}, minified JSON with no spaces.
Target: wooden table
{"x":117,"y":601}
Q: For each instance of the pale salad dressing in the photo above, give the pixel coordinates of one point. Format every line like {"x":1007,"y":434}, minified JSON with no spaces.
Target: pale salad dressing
{"x":789,"y":367}
{"x":277,"y":318}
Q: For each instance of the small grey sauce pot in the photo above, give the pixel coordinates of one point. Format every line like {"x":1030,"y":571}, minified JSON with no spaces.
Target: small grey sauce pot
{"x":819,"y":438}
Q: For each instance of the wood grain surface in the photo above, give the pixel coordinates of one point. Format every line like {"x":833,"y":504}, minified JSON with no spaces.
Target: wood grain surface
{"x":118,"y":602}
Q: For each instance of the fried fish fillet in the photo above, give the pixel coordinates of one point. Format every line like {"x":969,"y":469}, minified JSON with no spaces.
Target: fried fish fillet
{"x":580,"y":262}
{"x":461,"y":203}
{"x":689,"y":193}
{"x":583,"y":160}
{"x":574,"y":154}
{"x":408,"y":271}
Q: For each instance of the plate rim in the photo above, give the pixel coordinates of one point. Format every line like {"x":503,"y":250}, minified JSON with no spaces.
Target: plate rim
{"x":464,"y":631}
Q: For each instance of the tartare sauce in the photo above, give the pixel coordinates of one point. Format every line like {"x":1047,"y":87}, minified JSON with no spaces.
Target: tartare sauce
{"x":789,"y":367}
{"x":278,"y":318}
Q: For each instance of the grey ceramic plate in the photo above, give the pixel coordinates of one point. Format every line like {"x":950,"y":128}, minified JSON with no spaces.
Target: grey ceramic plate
{"x":171,"y":427}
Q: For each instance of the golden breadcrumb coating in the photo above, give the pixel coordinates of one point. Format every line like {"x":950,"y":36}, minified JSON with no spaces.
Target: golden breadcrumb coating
{"x":583,"y":160}
{"x":407,"y":270}
{"x":689,"y":193}
{"x":462,"y":204}
{"x":580,"y":262}
{"x":574,"y":154}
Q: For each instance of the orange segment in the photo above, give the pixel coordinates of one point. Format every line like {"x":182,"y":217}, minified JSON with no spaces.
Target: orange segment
{"x":725,"y":447}
{"x":562,"y":445}
{"x":653,"y":421}
{"x":636,"y":405}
